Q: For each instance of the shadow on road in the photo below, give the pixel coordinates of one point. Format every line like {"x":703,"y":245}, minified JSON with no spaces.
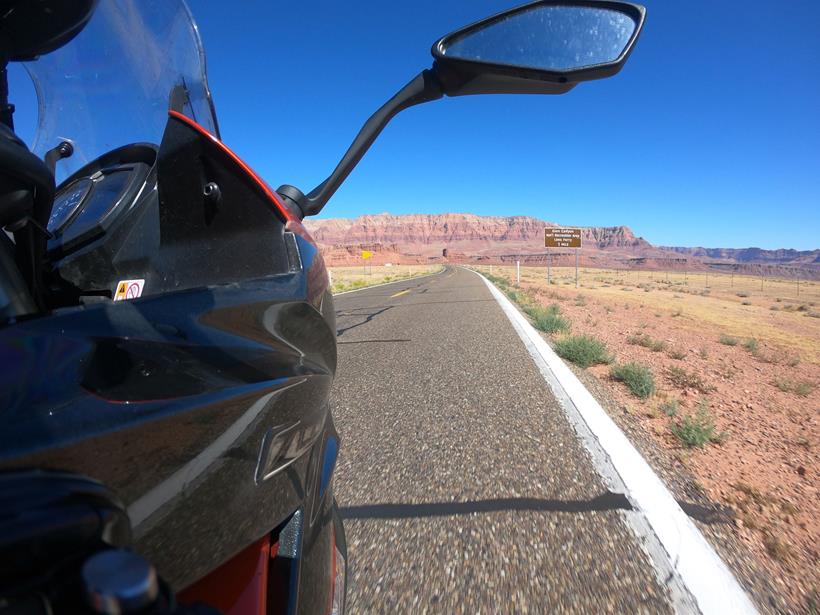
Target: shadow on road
{"x":606,"y":501}
{"x":368,"y":317}
{"x":375,"y":341}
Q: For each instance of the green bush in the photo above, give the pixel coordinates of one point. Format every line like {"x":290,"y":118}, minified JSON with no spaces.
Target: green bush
{"x":582,"y":350}
{"x":728,"y":340}
{"x":548,"y":320}
{"x":751,"y":345}
{"x":498,"y":281}
{"x":638,"y":378}
{"x":670,"y":407}
{"x":687,"y":380}
{"x":678,"y":355}
{"x":696,"y":431}
{"x":644,"y":340}
{"x":802,"y":388}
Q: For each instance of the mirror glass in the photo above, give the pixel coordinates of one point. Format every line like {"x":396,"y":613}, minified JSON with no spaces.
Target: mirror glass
{"x":555,"y":38}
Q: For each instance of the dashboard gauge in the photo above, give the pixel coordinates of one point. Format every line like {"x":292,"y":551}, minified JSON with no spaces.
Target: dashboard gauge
{"x":108,"y":188}
{"x":67,"y":203}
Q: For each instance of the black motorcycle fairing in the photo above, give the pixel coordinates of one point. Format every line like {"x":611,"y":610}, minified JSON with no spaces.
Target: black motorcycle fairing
{"x":185,"y":216}
{"x":50,"y":522}
{"x":200,"y":401}
{"x":217,"y":225}
{"x":244,"y":359}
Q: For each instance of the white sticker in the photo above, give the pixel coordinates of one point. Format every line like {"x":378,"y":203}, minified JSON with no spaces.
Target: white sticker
{"x":128,"y":289}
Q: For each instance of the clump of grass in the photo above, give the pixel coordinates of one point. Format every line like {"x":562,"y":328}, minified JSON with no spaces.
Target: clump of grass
{"x":638,"y":378}
{"x":684,"y":379}
{"x":670,"y":407}
{"x":751,"y":345}
{"x":803,"y":388}
{"x":583,"y":350}
{"x":678,"y":355}
{"x":728,"y":340}
{"x":776,"y":549}
{"x":696,"y":431}
{"x":549,"y":319}
{"x":502,"y":283}
{"x":342,"y":286}
{"x":580,"y":301}
{"x":644,"y":340}
{"x":742,"y":294}
{"x":745,"y":303}
{"x":753,"y":494}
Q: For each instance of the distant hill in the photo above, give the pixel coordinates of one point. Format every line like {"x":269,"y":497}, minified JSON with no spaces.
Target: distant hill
{"x":464,"y":232}
{"x":422,"y":237}
{"x":753,"y":255}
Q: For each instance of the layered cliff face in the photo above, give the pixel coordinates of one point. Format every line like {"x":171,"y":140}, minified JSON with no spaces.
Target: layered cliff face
{"x":464,"y":232}
{"x":420,"y":237}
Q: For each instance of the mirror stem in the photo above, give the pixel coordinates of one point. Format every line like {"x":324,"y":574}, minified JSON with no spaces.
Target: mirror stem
{"x":423,"y":88}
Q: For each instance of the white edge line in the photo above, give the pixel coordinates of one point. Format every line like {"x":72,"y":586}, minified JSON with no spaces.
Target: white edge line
{"x":414,"y":277}
{"x":703,"y":573}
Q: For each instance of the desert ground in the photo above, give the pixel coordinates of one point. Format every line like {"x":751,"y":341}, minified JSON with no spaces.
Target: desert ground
{"x":350,"y":278}
{"x":722,"y":374}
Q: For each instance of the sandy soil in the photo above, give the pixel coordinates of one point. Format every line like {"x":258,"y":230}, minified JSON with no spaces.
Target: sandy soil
{"x":763,"y":396}
{"x":351,"y":278}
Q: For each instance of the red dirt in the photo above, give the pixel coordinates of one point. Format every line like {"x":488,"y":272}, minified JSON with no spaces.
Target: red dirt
{"x":765,"y":466}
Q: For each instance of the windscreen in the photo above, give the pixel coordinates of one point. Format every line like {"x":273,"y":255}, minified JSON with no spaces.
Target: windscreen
{"x":114,"y":83}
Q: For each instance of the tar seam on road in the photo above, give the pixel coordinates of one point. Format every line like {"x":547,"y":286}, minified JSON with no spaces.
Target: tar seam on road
{"x":689,"y":557}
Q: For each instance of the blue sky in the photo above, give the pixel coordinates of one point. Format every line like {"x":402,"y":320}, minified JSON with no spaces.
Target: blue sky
{"x":709,"y":136}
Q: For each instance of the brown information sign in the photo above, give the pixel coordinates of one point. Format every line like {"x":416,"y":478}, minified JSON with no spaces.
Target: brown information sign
{"x":562,"y":237}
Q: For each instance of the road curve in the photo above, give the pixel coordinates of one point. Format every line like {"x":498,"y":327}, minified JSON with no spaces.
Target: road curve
{"x":463,"y":487}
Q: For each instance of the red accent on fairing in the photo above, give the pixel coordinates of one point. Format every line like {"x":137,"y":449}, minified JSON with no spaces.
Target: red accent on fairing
{"x":286,"y":213}
{"x":332,"y":568}
{"x":239,"y":586}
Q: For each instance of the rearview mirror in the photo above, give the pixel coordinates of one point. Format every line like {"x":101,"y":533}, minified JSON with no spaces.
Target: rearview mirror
{"x":544,"y":47}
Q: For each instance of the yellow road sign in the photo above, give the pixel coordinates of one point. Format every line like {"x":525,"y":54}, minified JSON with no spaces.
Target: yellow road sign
{"x":366,"y":254}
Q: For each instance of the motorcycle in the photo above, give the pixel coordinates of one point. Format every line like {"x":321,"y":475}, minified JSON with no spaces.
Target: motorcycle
{"x":167,"y":332}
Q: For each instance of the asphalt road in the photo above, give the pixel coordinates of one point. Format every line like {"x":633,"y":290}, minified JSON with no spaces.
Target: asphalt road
{"x":463,"y":487}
